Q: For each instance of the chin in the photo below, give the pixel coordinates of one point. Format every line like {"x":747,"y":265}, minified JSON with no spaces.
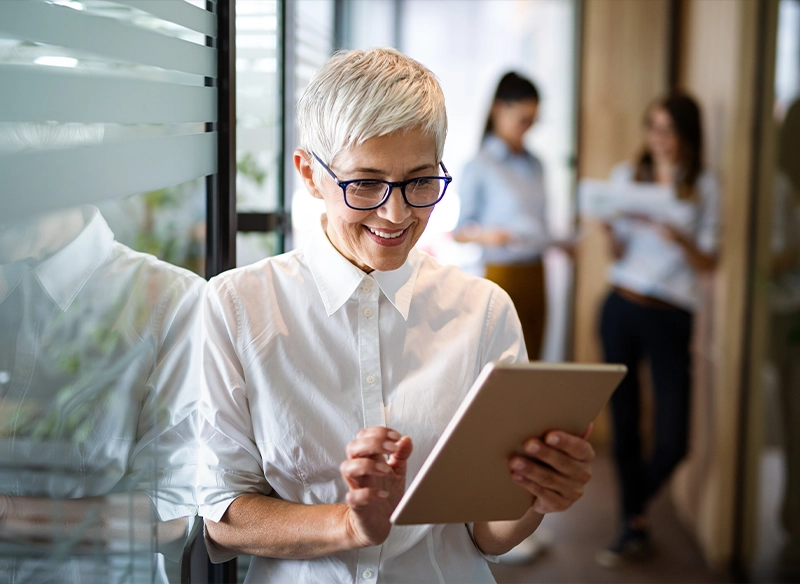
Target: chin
{"x":388,"y":264}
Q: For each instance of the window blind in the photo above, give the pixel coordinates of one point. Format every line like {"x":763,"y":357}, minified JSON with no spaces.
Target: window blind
{"x":101,"y":99}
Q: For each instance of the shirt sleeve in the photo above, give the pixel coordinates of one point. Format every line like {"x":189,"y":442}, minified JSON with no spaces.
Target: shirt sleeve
{"x":503,"y":341}
{"x":230,"y":462}
{"x":163,"y":463}
{"x":470,"y":192}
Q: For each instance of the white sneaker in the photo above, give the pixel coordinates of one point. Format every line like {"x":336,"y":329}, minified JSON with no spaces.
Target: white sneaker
{"x":529,"y":548}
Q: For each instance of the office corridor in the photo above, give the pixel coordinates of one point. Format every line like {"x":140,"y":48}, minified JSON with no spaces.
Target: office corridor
{"x":591,"y":524}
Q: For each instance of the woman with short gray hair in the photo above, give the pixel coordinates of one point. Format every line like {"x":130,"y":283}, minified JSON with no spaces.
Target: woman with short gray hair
{"x":323,"y":364}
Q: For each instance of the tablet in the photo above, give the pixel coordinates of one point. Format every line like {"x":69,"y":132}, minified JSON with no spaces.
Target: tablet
{"x":466,"y":478}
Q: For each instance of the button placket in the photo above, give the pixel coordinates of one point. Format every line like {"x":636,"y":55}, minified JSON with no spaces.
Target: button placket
{"x":369,"y":354}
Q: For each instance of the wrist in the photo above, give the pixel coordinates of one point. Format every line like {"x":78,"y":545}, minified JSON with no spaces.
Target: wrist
{"x":350,"y":535}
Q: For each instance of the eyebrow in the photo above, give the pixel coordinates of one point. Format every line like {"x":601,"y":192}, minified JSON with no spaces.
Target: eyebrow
{"x":367,"y":170}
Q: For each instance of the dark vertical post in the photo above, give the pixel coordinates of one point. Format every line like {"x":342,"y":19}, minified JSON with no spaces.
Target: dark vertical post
{"x":739,"y":569}
{"x":674,"y":40}
{"x":221,"y":187}
{"x":220,"y":229}
{"x":341,"y":24}
{"x":286,"y":40}
{"x":397,"y":32}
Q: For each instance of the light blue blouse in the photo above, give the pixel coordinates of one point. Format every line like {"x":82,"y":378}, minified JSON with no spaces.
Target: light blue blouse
{"x":501,"y":189}
{"x":655,"y":266}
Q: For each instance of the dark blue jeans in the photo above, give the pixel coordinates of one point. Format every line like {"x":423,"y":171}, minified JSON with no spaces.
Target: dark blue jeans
{"x":631,"y":331}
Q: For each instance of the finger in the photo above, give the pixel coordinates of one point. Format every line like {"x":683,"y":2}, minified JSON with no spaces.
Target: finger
{"x":359,"y":468}
{"x":380,"y":431}
{"x":545,"y":500}
{"x":404,"y":448}
{"x":359,"y":499}
{"x":566,"y":484}
{"x":371,"y":446}
{"x":556,"y":459}
{"x":573,"y":446}
{"x":588,"y":431}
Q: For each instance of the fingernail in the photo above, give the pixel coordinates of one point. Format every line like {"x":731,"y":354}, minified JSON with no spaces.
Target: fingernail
{"x":383,"y":494}
{"x":533,"y":447}
{"x":390,"y":446}
{"x":518,"y":478}
{"x":553,"y":439}
{"x":393,"y":435}
{"x":517,"y":464}
{"x":381,"y":467}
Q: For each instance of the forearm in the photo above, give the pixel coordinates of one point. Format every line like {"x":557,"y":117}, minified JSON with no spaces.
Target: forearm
{"x":264,"y":526}
{"x":498,"y":537}
{"x":700,"y":261}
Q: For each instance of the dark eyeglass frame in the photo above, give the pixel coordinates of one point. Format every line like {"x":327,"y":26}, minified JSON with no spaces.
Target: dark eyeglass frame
{"x":389,"y":186}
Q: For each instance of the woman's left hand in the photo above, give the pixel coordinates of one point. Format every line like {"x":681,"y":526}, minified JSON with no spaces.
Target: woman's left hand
{"x":555,"y":470}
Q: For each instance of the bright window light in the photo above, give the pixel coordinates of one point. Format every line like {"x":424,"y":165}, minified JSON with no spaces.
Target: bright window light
{"x":56,"y":61}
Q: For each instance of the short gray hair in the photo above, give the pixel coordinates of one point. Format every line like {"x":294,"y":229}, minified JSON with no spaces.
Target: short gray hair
{"x":358,"y":95}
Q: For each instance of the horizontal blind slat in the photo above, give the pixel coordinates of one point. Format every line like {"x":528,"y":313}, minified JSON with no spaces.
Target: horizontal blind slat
{"x":70,"y":96}
{"x":90,"y":174}
{"x":64,"y":27}
{"x":178,"y":12}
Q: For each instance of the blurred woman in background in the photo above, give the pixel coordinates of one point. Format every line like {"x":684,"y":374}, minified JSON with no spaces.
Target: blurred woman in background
{"x":503,"y":205}
{"x":648,"y":313}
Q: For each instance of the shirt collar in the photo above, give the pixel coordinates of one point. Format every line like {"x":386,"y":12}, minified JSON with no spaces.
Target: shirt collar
{"x":64,"y":273}
{"x":337,"y":279}
{"x":498,"y":149}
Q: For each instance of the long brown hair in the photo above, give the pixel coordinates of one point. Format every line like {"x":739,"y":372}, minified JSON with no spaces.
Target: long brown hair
{"x":685,"y":115}
{"x":511,"y":88}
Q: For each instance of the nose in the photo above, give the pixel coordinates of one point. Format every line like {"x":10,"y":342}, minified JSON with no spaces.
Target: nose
{"x":395,"y":208}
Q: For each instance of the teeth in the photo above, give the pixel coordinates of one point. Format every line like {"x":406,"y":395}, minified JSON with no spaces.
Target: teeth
{"x":384,"y":234}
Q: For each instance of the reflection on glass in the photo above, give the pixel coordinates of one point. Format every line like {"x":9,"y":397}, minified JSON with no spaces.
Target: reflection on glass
{"x":784,"y":349}
{"x":777,"y":555}
{"x":97,"y":385}
{"x":169,"y":223}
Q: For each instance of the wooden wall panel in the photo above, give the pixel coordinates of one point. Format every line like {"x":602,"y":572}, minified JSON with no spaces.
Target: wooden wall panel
{"x":718,"y":67}
{"x":624,"y":61}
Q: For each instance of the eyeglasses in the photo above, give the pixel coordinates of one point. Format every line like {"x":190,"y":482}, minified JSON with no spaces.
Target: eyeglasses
{"x":366,"y":194}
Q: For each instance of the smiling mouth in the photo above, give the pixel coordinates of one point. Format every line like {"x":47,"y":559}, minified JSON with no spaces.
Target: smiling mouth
{"x":386,"y":234}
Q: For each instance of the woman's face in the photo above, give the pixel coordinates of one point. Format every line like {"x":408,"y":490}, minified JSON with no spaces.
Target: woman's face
{"x":382,"y":238}
{"x":512,"y":119}
{"x":662,"y":139}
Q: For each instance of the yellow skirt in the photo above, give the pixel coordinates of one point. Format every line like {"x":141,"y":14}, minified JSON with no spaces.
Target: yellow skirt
{"x":525,"y":285}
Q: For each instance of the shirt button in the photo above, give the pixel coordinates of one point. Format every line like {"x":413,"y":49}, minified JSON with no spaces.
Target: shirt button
{"x":368,"y":312}
{"x":370,"y":379}
{"x":366,"y":286}
{"x":367,"y":574}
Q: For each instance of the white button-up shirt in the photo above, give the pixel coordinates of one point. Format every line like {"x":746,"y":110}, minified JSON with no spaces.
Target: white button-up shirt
{"x":302,"y":351}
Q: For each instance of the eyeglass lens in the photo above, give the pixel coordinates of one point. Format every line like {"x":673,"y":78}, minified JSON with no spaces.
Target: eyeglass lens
{"x":419,"y":192}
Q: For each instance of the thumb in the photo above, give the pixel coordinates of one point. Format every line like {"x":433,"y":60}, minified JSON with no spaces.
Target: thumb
{"x":404,"y":448}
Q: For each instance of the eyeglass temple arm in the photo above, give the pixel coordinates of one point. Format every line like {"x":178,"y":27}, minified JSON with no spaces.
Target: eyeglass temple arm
{"x":325,"y":166}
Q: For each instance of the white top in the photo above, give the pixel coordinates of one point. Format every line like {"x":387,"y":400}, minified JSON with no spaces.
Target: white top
{"x":302,"y":351}
{"x":505,"y":190}
{"x":654,"y":266}
{"x":99,"y":390}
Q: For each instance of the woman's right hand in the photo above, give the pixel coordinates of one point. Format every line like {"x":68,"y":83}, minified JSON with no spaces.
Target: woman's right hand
{"x":616,"y":246}
{"x":376,"y":483}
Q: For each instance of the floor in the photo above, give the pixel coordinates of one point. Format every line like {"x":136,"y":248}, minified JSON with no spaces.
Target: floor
{"x":591,"y":524}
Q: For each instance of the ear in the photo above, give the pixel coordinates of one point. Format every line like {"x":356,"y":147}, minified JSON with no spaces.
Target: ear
{"x":302,"y":162}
